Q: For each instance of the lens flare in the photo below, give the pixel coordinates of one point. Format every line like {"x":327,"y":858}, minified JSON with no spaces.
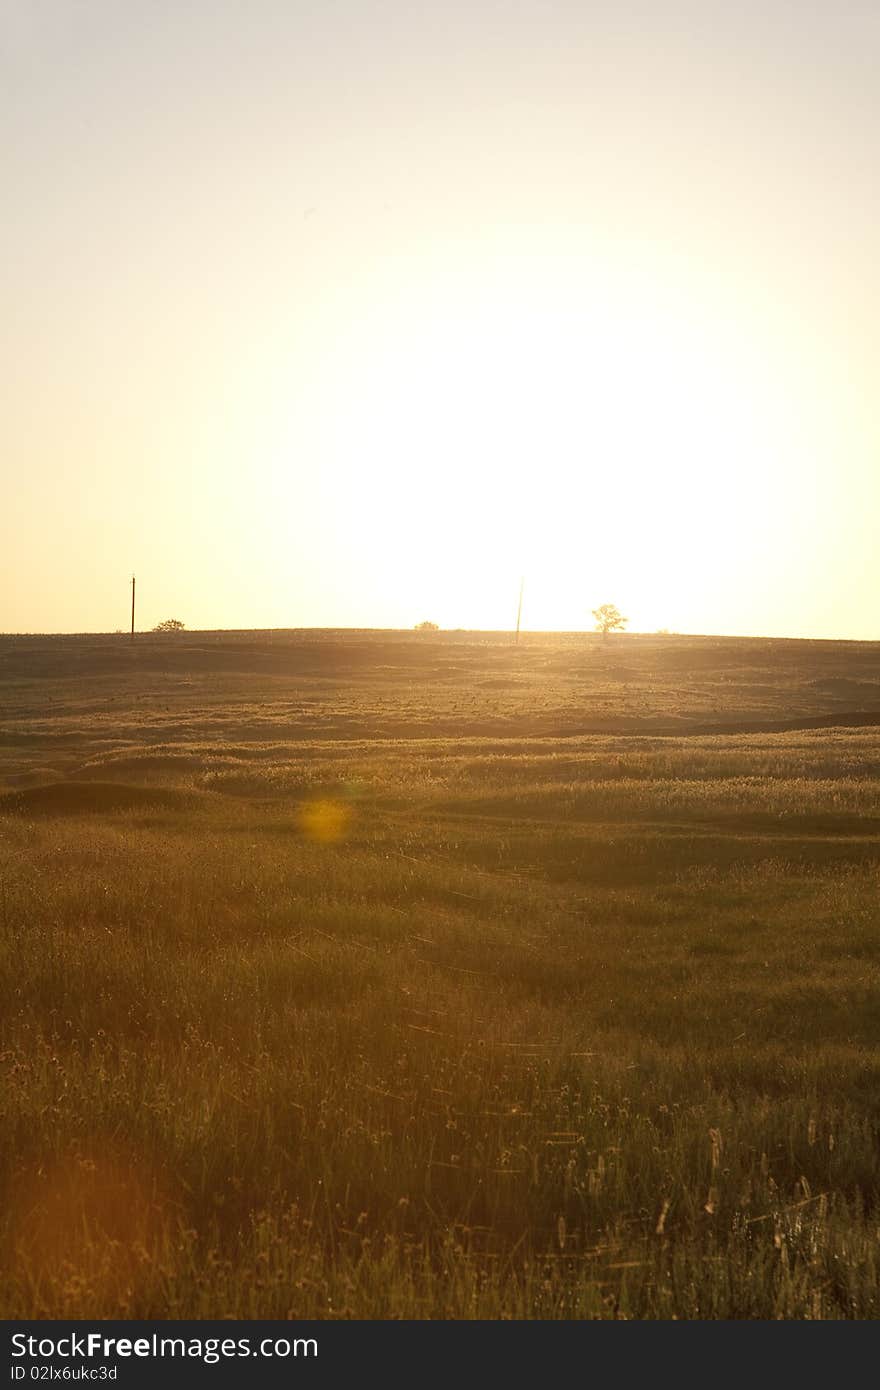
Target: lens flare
{"x":325,"y":821}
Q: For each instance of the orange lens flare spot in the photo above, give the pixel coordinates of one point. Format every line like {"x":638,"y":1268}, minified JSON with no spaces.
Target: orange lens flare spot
{"x":89,"y":1229}
{"x":325,"y":822}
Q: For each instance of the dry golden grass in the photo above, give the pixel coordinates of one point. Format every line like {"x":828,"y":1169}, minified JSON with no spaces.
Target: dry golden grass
{"x":332,"y":990}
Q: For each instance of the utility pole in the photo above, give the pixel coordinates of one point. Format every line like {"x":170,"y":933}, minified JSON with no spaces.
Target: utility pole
{"x":519,"y":609}
{"x":132,"y":608}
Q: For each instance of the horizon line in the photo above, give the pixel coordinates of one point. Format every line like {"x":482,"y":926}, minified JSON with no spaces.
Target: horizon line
{"x":660,"y":634}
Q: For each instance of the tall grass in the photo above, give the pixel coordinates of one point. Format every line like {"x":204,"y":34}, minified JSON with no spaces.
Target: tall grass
{"x":578,"y":1030}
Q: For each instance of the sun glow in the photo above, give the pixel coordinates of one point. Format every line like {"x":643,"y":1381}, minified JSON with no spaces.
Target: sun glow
{"x":607,"y":436}
{"x":386,"y":316}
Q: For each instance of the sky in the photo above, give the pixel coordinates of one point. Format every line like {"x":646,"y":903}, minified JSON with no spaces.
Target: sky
{"x":354,"y":313}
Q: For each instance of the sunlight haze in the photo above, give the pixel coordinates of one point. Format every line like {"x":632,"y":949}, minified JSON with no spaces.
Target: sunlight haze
{"x":353,"y":314}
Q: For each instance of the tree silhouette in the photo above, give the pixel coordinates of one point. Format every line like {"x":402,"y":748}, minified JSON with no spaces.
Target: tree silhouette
{"x":169,"y":625}
{"x":426,"y":626}
{"x":608,"y":618}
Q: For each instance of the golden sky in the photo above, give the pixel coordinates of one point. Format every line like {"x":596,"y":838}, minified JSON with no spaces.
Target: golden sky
{"x":352,"y":312}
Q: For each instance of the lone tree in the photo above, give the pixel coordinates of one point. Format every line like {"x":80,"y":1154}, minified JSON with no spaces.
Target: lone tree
{"x":427,"y":626}
{"x":608,"y":618}
{"x":169,"y":625}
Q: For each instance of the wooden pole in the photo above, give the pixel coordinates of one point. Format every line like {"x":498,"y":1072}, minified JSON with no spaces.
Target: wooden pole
{"x":519,"y":608}
{"x":132,"y":607}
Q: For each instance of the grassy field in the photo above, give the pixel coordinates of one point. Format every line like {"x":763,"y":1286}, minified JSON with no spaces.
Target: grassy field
{"x":367,"y":975}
